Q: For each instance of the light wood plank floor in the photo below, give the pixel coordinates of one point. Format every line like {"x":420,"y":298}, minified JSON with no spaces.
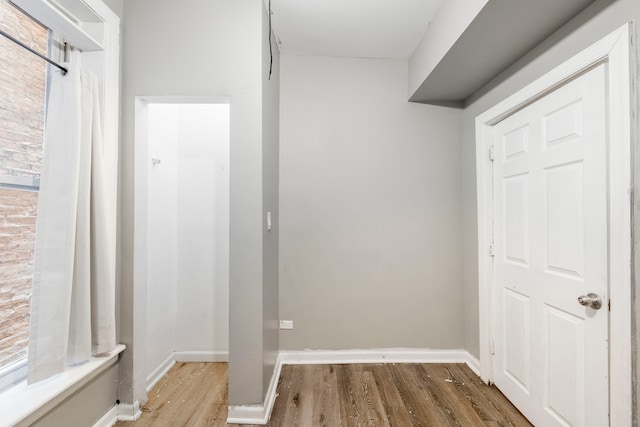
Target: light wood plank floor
{"x":195,"y":394}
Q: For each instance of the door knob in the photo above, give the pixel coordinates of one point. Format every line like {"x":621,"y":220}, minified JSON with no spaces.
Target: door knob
{"x":590,"y":300}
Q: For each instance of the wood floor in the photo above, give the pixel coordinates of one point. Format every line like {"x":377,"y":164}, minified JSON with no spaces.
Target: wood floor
{"x":195,"y":394}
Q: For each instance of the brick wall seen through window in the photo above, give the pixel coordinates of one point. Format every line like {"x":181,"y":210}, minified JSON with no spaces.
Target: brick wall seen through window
{"x":22,"y":99}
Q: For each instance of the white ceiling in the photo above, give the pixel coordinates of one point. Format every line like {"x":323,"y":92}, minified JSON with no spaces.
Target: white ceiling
{"x":352,"y":28}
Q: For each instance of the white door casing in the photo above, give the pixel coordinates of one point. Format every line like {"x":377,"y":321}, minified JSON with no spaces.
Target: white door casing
{"x":141,"y":232}
{"x":564,"y":323}
{"x":550,"y":242}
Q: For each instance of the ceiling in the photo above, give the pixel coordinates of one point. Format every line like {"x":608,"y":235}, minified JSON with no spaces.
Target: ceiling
{"x":351,"y":28}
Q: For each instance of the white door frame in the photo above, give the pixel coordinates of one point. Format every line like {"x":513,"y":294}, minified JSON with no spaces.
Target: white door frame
{"x":614,"y":50}
{"x":140,"y":234}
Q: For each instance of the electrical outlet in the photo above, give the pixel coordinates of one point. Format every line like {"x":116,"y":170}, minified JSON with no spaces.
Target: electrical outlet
{"x":286,"y":324}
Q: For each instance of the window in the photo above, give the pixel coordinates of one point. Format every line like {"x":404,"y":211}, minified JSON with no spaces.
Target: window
{"x":23,"y":78}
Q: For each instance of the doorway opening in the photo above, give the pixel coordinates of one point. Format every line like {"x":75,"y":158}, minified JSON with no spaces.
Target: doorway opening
{"x":181,"y":241}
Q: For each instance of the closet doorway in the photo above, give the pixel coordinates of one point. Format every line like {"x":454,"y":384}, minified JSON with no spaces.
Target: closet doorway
{"x":181,"y":232}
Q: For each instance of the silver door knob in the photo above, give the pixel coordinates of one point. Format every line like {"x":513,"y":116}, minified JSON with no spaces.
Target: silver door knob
{"x":590,"y":300}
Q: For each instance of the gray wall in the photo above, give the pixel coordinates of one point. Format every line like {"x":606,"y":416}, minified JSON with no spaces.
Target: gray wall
{"x":270,"y":200}
{"x":87,"y":405}
{"x":370,"y":209}
{"x":598,"y":20}
{"x":201,"y":48}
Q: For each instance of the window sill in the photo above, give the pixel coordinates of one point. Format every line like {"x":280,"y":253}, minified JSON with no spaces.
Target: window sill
{"x":24,"y":404}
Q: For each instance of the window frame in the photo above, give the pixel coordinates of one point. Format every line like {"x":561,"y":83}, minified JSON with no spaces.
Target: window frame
{"x":13,"y":373}
{"x":18,"y":182}
{"x":103,"y":59}
{"x":16,"y":371}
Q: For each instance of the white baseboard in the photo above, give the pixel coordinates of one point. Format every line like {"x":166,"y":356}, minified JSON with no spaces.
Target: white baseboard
{"x":270,"y":398}
{"x":385,"y":355}
{"x":108,"y":419}
{"x":389,"y":355}
{"x":473,"y":363}
{"x":128,"y":412}
{"x":258,"y":414}
{"x":160,"y":372}
{"x":184,"y":356}
{"x":201,"y":356}
{"x":247,"y":414}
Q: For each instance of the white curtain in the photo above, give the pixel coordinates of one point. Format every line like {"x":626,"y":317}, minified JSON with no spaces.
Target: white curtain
{"x":73,"y":299}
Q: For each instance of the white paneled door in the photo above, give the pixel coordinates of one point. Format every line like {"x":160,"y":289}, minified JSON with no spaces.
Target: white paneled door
{"x":550,"y":354}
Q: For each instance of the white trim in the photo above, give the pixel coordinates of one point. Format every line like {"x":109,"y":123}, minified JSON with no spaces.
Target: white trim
{"x":128,"y":412}
{"x":57,"y":20}
{"x":247,"y":414}
{"x":473,"y":363}
{"x":140,"y":231}
{"x":184,"y":356}
{"x":385,"y":355}
{"x":620,"y":246}
{"x":613,"y":49}
{"x":258,"y":414}
{"x":178,"y":99}
{"x":140,"y":212}
{"x":270,"y":398}
{"x":160,"y":371}
{"x":202,"y":356}
{"x":24,"y":404}
{"x":13,"y":374}
{"x":108,"y":419}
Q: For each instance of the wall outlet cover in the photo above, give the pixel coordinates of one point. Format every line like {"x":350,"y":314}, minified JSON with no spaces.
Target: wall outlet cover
{"x":286,"y":324}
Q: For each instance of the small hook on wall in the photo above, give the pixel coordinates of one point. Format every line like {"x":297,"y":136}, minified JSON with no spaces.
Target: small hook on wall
{"x":155,"y":161}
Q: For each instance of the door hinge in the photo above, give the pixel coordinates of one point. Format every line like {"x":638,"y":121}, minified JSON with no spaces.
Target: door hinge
{"x":609,"y":305}
{"x":492,"y":251}
{"x":492,"y":347}
{"x":492,"y":155}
